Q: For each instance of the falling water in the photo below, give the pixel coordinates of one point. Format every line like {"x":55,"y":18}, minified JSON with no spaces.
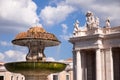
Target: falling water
{"x":34,"y":68}
{"x":58,"y":51}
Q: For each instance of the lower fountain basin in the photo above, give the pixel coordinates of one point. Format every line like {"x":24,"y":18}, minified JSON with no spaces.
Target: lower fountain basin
{"x":35,"y":68}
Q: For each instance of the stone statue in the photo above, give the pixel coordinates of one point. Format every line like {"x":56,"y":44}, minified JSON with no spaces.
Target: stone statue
{"x":107,"y":22}
{"x":91,"y":21}
{"x":97,"y":22}
{"x":76,"y":27}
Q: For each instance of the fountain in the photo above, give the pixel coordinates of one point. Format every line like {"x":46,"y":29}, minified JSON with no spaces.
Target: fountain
{"x":35,"y":67}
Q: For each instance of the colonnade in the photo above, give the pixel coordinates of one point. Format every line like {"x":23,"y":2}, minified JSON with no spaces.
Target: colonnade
{"x":107,"y":66}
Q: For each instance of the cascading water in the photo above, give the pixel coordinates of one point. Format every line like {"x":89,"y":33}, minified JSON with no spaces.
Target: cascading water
{"x":58,"y":51}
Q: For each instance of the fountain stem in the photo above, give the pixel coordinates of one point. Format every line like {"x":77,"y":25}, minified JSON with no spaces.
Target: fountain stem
{"x":36,"y":52}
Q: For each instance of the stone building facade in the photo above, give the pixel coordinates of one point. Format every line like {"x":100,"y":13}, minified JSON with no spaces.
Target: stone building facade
{"x":6,"y":75}
{"x":96,"y":50}
{"x":67,"y":74}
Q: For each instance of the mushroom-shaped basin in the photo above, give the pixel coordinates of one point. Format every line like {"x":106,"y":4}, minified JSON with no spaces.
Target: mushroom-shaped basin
{"x":34,"y":68}
{"x":36,"y":34}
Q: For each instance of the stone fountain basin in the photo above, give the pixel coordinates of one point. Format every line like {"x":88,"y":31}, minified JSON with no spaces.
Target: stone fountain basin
{"x":35,"y":68}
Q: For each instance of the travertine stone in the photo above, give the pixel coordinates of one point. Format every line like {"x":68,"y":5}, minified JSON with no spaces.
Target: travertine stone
{"x":98,"y":65}
{"x":109,"y":64}
{"x":78,"y":66}
{"x":74,"y":63}
{"x":99,"y":40}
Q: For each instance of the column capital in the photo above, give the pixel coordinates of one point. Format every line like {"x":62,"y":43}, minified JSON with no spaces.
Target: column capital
{"x":108,"y":48}
{"x":75,"y":51}
{"x":99,"y":50}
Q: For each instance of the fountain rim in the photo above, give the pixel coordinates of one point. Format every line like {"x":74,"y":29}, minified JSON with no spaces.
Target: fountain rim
{"x":35,"y":67}
{"x":56,"y":42}
{"x":37,"y":62}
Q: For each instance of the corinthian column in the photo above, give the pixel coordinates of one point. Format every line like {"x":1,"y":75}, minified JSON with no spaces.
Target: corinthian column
{"x":98,"y":65}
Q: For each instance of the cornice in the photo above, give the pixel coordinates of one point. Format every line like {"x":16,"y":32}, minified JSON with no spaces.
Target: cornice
{"x":89,"y":37}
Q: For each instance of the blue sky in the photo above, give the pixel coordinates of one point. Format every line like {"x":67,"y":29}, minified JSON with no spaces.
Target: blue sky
{"x":55,"y":16}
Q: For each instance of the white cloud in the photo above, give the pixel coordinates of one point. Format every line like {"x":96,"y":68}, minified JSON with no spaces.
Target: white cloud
{"x":15,"y":55}
{"x":53,"y":60}
{"x":61,"y":60}
{"x":12,"y":55}
{"x":4,"y":43}
{"x":54,"y":15}
{"x":64,"y":26}
{"x":65,"y":35}
{"x":105,"y":11}
{"x":50,"y":59}
{"x":2,"y":56}
{"x":102,"y":9}
{"x":17,"y":14}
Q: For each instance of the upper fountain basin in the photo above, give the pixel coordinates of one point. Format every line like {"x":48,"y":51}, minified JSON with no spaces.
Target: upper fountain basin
{"x":36,"y":34}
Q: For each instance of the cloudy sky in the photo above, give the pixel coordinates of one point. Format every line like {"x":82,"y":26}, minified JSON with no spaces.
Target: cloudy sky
{"x":56,"y":16}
